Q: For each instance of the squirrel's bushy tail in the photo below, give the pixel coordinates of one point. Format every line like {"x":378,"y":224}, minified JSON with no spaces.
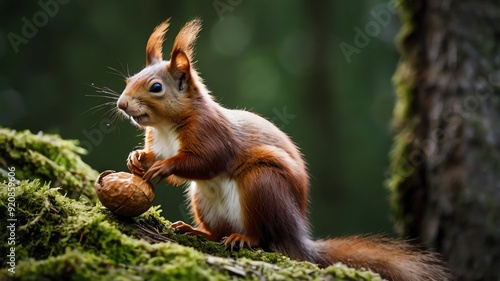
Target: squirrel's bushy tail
{"x":392,"y":259}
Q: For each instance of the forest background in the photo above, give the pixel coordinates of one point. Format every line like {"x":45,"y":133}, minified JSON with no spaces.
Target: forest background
{"x":320,"y":71}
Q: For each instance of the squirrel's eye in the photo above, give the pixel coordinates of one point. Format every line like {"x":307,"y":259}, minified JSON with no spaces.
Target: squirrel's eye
{"x":156,"y":88}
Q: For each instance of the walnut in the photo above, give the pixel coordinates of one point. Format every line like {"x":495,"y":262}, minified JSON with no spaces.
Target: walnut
{"x":124,"y":194}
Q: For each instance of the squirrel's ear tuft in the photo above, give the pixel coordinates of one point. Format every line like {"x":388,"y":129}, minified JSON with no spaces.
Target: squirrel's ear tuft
{"x":183,"y":49}
{"x":154,"y":47}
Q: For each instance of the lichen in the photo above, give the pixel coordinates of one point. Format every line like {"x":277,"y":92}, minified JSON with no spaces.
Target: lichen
{"x":62,"y":237}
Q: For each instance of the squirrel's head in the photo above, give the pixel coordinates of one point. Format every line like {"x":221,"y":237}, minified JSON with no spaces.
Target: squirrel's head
{"x":164,"y":91}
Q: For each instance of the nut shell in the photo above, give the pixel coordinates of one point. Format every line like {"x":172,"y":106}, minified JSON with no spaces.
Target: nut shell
{"x":124,"y":194}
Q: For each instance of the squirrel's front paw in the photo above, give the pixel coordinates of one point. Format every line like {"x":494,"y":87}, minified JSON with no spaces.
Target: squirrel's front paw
{"x":159,"y":169}
{"x":134,"y":162}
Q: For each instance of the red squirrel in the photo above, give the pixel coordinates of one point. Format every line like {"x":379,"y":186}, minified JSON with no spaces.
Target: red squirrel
{"x":249,"y":184}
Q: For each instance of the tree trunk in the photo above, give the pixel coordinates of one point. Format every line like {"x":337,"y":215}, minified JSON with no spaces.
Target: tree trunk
{"x":445,"y":170}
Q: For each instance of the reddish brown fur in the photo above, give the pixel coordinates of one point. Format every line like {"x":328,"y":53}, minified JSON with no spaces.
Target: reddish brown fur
{"x":271,"y":177}
{"x":155,"y":43}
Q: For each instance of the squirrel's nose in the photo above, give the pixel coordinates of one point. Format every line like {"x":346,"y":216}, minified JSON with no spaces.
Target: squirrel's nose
{"x":122,"y":103}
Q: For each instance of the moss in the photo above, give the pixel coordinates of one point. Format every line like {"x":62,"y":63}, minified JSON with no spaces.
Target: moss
{"x":60,"y":237}
{"x":405,"y":120}
{"x":48,"y":158}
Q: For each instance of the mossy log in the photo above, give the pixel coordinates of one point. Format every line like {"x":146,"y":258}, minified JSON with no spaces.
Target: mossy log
{"x":62,"y":232}
{"x":47,"y":158}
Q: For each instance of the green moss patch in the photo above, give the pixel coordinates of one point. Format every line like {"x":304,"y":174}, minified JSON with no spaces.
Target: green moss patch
{"x":48,"y":158}
{"x":57,"y":230}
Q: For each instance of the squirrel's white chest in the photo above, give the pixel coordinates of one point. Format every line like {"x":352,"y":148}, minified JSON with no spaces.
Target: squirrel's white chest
{"x":165,"y":142}
{"x":218,"y":201}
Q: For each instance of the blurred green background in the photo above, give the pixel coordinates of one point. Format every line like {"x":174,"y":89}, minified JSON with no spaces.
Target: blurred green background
{"x":282,"y":59}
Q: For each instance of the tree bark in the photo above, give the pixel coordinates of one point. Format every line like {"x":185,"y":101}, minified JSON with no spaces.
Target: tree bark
{"x":445,"y":179}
